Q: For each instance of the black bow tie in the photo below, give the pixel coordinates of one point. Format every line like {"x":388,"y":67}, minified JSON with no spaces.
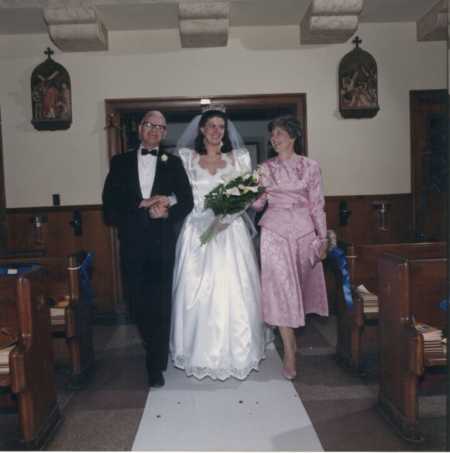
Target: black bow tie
{"x":153,"y":152}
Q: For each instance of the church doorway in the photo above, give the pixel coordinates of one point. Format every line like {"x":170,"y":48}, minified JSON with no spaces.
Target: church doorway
{"x":249,"y":113}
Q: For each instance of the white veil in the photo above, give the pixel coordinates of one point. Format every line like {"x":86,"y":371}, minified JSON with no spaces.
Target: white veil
{"x":187,"y":138}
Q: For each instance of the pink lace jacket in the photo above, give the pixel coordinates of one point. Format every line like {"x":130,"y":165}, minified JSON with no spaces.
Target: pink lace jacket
{"x":295,"y":200}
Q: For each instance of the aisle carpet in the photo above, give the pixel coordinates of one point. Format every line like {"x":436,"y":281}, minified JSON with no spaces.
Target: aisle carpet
{"x":262,"y":413}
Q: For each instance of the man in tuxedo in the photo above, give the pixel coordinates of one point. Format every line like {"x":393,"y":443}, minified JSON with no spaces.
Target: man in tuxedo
{"x":145,"y":193}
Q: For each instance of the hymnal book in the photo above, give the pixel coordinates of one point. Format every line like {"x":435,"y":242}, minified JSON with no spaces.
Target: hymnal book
{"x":4,"y":359}
{"x":57,"y":315}
{"x":369,"y":299}
{"x":432,"y":338}
{"x":428,"y":332}
{"x":7,"y":337}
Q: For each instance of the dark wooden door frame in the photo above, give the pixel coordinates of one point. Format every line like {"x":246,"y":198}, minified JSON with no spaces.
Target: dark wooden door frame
{"x":115,"y":107}
{"x":434,"y":100}
{"x":3,"y":220}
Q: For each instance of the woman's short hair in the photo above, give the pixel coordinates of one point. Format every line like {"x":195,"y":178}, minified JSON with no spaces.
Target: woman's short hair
{"x":199,"y":140}
{"x":291,"y":125}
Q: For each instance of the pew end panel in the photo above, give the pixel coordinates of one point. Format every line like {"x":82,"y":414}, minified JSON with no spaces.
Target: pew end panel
{"x":31,"y":373}
{"x":71,"y":309}
{"x":79,"y":319}
{"x":355,"y":336}
{"x":358,"y":329}
{"x":409,"y":291}
{"x":349,"y":322}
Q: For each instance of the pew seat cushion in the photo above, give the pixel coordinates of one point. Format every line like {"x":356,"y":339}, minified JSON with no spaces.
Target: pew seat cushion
{"x":17,"y":268}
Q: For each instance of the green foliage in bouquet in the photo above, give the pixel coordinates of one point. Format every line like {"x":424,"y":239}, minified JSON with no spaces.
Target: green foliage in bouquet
{"x":234,"y":196}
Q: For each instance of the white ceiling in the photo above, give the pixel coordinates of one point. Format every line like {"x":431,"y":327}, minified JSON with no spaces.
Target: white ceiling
{"x":25,"y":16}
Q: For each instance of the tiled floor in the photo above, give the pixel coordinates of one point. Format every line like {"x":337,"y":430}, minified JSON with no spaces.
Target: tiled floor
{"x":342,"y":405}
{"x":106,"y":414}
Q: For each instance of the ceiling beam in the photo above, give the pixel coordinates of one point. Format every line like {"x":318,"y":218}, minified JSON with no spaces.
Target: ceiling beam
{"x":433,"y":26}
{"x":330,"y":21}
{"x":74,"y":26}
{"x":204,"y":24}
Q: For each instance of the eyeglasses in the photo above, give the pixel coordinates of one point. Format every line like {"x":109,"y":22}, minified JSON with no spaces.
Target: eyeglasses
{"x":157,"y":127}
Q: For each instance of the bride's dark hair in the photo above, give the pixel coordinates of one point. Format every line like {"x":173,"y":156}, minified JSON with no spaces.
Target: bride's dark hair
{"x":199,"y":140}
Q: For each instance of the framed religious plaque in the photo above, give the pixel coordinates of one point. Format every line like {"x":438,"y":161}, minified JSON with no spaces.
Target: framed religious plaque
{"x":51,"y":96}
{"x":358,"y":84}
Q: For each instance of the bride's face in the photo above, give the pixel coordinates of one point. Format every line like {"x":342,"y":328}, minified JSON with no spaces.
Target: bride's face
{"x":213,"y":131}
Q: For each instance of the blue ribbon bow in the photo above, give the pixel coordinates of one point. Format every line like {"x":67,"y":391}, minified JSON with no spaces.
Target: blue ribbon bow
{"x":85,"y":277}
{"x":338,"y":255}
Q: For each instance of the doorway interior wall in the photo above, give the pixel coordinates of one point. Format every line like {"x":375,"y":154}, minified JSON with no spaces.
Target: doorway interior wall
{"x":250,"y":114}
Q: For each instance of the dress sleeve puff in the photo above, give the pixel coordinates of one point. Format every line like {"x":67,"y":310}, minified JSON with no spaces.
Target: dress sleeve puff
{"x":317,"y":201}
{"x":186,"y":155}
{"x":242,"y":159}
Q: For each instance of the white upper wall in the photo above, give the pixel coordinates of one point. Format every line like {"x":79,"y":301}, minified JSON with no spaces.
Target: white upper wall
{"x":368,"y":156}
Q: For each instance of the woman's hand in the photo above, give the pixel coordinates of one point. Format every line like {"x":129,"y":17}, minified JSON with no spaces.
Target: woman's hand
{"x":323,"y":251}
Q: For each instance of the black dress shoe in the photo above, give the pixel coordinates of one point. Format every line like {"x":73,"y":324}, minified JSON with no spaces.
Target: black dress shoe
{"x":156,"y":381}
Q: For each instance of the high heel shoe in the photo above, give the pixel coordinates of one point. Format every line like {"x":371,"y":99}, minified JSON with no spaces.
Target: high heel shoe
{"x":289,"y":375}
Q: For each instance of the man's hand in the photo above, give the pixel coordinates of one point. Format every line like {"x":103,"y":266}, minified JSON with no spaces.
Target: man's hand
{"x":159,"y":211}
{"x":155,"y":200}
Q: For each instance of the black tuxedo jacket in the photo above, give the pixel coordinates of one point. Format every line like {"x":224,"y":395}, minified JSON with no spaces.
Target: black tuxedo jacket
{"x":122,"y":195}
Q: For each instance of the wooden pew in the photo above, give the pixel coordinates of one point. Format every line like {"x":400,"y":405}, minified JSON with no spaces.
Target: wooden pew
{"x":410,"y":290}
{"x":73,"y":322}
{"x":357,"y":330}
{"x":27,"y":369}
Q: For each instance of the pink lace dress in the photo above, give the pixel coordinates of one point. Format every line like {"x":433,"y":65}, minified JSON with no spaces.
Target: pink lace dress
{"x":293,"y":231}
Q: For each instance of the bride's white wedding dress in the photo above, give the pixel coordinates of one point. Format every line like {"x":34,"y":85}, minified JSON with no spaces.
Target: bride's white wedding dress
{"x":217,"y":328}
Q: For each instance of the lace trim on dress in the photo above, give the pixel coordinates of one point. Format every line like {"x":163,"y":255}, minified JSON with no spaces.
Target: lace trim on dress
{"x":221,"y":164}
{"x":216,"y":373}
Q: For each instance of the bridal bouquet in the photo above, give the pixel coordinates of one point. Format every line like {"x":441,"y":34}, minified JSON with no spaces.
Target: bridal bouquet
{"x":229,"y":200}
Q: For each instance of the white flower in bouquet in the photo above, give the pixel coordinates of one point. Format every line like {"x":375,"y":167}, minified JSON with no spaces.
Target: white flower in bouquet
{"x":245,"y":189}
{"x":229,"y":200}
{"x":233,"y":191}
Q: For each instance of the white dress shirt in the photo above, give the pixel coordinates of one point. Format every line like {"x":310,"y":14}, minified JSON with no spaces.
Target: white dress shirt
{"x":146,"y":170}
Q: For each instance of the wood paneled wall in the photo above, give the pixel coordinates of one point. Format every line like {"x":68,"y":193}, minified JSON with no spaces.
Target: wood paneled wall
{"x":56,"y":235}
{"x":364,"y":221}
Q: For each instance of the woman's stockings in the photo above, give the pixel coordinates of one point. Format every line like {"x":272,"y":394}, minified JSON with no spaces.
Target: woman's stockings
{"x":290,"y":348}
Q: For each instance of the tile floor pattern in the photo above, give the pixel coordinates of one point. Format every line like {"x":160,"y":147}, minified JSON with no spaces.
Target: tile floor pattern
{"x":106,"y":414}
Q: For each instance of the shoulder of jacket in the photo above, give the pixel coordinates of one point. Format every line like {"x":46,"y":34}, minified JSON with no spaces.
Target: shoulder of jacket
{"x":122,"y":157}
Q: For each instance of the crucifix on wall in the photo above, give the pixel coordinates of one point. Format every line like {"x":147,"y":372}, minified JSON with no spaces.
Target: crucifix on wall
{"x":51,"y":95}
{"x":358,"y":84}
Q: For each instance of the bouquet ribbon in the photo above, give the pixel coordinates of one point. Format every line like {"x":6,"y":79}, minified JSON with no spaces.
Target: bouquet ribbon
{"x":217,"y":225}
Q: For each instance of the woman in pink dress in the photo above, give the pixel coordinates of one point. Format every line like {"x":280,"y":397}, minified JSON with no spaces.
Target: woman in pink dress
{"x":293,"y":237}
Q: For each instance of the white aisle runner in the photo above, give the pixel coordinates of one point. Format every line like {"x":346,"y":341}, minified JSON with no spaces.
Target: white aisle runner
{"x":262,"y":413}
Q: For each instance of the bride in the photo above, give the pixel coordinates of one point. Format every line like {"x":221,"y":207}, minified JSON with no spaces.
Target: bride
{"x":217,"y":328}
